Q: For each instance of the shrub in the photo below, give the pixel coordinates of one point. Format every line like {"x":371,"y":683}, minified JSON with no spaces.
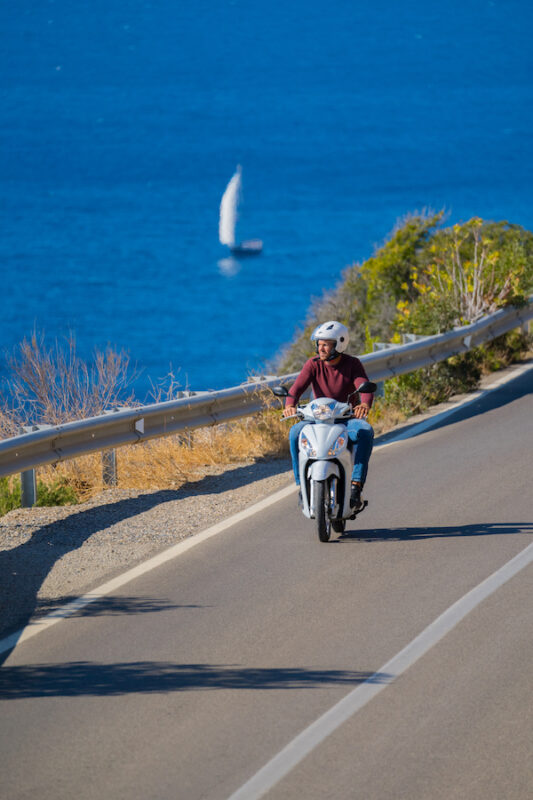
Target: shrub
{"x":424,"y":279}
{"x":9,"y":494}
{"x":52,"y":384}
{"x":57,"y":493}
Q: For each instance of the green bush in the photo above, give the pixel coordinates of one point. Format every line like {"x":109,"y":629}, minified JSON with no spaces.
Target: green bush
{"x":416,"y":391}
{"x":9,"y":494}
{"x":425,"y":279}
{"x":504,"y":350}
{"x":58,"y":493}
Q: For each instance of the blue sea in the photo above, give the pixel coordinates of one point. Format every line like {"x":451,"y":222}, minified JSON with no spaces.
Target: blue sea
{"x":122,"y":123}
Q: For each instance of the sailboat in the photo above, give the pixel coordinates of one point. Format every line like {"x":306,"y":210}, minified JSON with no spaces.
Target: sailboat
{"x":228,"y":220}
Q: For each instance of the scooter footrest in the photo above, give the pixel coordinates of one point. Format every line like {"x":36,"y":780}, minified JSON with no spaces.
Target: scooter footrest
{"x":360,"y":510}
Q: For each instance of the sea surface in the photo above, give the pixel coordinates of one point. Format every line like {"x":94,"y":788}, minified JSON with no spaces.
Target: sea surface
{"x":122,"y":123}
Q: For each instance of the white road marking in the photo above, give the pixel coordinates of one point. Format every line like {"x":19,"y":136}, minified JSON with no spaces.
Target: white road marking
{"x":38,"y":625}
{"x":291,"y":755}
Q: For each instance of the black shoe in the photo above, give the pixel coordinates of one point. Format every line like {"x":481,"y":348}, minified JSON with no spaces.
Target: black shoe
{"x":355,"y":496}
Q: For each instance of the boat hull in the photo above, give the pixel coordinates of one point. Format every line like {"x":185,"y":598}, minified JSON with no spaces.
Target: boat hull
{"x":249,"y":248}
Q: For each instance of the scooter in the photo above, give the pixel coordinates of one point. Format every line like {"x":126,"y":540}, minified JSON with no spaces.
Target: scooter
{"x":325,"y":459}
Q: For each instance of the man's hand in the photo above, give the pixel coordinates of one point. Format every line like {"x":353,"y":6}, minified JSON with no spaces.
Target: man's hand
{"x":289,"y":411}
{"x":361,"y":412}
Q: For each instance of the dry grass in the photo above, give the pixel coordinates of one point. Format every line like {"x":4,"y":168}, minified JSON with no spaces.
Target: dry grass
{"x":173,"y":461}
{"x":384,"y":417}
{"x":8,"y":425}
{"x":170,"y":462}
{"x":51,"y":384}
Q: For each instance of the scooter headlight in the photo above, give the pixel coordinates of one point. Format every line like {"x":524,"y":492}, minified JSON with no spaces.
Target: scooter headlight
{"x":307,"y":447}
{"x":323,"y":411}
{"x":338,"y":445}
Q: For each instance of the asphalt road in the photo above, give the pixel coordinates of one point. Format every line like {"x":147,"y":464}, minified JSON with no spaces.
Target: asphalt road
{"x":188,"y":681}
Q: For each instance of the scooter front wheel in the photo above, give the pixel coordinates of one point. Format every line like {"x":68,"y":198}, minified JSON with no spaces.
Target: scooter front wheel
{"x":322,"y":510}
{"x":338,"y":525}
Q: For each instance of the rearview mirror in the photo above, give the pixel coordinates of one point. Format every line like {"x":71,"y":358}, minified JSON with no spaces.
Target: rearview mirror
{"x":367,"y":388}
{"x":280,"y":391}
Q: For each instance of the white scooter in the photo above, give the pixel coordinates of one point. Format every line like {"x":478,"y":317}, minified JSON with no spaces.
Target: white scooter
{"x":325,"y":460}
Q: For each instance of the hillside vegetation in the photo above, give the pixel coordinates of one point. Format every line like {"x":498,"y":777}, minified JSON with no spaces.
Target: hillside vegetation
{"x":426,"y":279}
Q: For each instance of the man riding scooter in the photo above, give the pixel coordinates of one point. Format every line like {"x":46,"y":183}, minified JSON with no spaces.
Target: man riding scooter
{"x":333,"y":373}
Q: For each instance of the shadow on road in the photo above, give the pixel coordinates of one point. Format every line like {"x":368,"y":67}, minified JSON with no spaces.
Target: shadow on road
{"x":113,"y":606}
{"x":102,"y":607}
{"x":435,"y":532}
{"x":85,"y":678}
{"x":24,"y":568}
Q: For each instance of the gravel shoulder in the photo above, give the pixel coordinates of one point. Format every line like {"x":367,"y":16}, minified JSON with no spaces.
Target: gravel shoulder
{"x":51,"y":555}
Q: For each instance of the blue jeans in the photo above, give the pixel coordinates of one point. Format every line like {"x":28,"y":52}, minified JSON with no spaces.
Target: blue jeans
{"x":360,"y":433}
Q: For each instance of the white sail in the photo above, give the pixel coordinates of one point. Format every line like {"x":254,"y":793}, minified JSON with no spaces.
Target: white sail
{"x":228,"y":210}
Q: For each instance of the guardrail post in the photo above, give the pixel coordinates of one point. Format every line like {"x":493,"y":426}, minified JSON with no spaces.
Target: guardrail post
{"x":109,"y":467}
{"x":376,"y":347}
{"x":186,"y":438}
{"x":28,"y":488}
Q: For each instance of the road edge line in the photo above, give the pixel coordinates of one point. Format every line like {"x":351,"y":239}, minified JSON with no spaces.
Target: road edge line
{"x":312,"y":736}
{"x":39,"y":625}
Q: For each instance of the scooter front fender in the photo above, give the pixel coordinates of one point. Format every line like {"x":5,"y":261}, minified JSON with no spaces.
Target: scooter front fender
{"x":320,"y":470}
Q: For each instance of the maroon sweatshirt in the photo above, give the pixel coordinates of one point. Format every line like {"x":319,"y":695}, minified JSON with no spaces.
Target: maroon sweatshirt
{"x":330,"y":380}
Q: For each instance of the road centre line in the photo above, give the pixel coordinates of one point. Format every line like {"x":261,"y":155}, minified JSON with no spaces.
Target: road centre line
{"x":312,"y":736}
{"x":39,"y":625}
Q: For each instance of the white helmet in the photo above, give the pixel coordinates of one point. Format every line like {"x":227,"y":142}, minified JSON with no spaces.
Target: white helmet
{"x":333,"y":330}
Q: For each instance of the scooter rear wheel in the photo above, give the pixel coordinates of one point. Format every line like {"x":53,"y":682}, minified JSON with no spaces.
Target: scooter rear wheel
{"x":321,"y":511}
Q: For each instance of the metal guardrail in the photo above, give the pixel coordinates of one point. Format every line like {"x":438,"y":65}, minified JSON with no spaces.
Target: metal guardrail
{"x":51,"y":444}
{"x":121,"y":426}
{"x":397,"y":360}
